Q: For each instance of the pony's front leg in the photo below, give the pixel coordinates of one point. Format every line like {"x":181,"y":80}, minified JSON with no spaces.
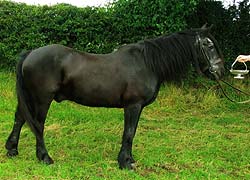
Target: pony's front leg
{"x":131,"y":117}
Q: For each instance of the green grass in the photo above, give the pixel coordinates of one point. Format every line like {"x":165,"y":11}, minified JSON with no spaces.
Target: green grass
{"x":187,"y":133}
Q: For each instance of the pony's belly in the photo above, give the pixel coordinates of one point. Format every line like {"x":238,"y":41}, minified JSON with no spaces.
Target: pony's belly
{"x":91,"y":100}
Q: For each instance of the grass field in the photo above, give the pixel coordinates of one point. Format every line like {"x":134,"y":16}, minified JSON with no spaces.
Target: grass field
{"x":187,"y":133}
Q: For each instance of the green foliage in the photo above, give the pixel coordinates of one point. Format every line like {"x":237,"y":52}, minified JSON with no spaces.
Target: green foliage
{"x":101,"y":29}
{"x":231,"y":25}
{"x":147,"y":18}
{"x":28,"y":27}
{"x":239,"y":32}
{"x":92,"y":29}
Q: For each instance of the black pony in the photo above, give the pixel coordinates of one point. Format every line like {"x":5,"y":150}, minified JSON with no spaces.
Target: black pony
{"x":128,"y":78}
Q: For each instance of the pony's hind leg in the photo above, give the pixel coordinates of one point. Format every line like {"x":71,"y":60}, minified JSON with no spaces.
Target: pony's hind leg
{"x":12,"y":142}
{"x":41,"y":151}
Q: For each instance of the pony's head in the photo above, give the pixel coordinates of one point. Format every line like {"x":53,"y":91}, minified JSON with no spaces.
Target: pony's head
{"x":210,"y":58}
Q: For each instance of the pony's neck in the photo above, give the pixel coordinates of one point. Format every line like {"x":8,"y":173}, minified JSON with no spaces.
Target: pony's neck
{"x":170,"y":57}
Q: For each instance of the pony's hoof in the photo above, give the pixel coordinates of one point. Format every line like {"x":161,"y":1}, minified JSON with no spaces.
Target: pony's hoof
{"x":12,"y":153}
{"x":46,"y":159}
{"x":129,"y":166}
{"x":128,"y":163}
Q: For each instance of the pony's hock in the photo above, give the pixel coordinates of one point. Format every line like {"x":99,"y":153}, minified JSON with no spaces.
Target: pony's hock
{"x":128,"y":78}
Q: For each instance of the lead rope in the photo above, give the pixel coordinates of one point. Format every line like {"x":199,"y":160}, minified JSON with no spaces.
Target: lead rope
{"x":232,"y":100}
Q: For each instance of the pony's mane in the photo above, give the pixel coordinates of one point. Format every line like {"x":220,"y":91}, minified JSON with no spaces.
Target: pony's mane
{"x":170,"y":56}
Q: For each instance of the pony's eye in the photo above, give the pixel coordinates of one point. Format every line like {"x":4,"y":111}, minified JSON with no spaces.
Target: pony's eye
{"x":211,"y":45}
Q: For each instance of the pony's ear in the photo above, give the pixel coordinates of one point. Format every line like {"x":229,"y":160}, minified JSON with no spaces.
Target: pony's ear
{"x":206,"y":29}
{"x":204,"y":26}
{"x":210,"y":27}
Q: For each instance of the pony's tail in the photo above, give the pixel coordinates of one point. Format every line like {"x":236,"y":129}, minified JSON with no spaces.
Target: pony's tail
{"x":26,"y":106}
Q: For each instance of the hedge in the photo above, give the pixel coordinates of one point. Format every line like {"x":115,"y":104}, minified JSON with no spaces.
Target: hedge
{"x":28,"y":27}
{"x":101,"y":29}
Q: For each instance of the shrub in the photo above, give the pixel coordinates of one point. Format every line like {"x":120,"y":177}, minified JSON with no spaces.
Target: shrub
{"x":101,"y":29}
